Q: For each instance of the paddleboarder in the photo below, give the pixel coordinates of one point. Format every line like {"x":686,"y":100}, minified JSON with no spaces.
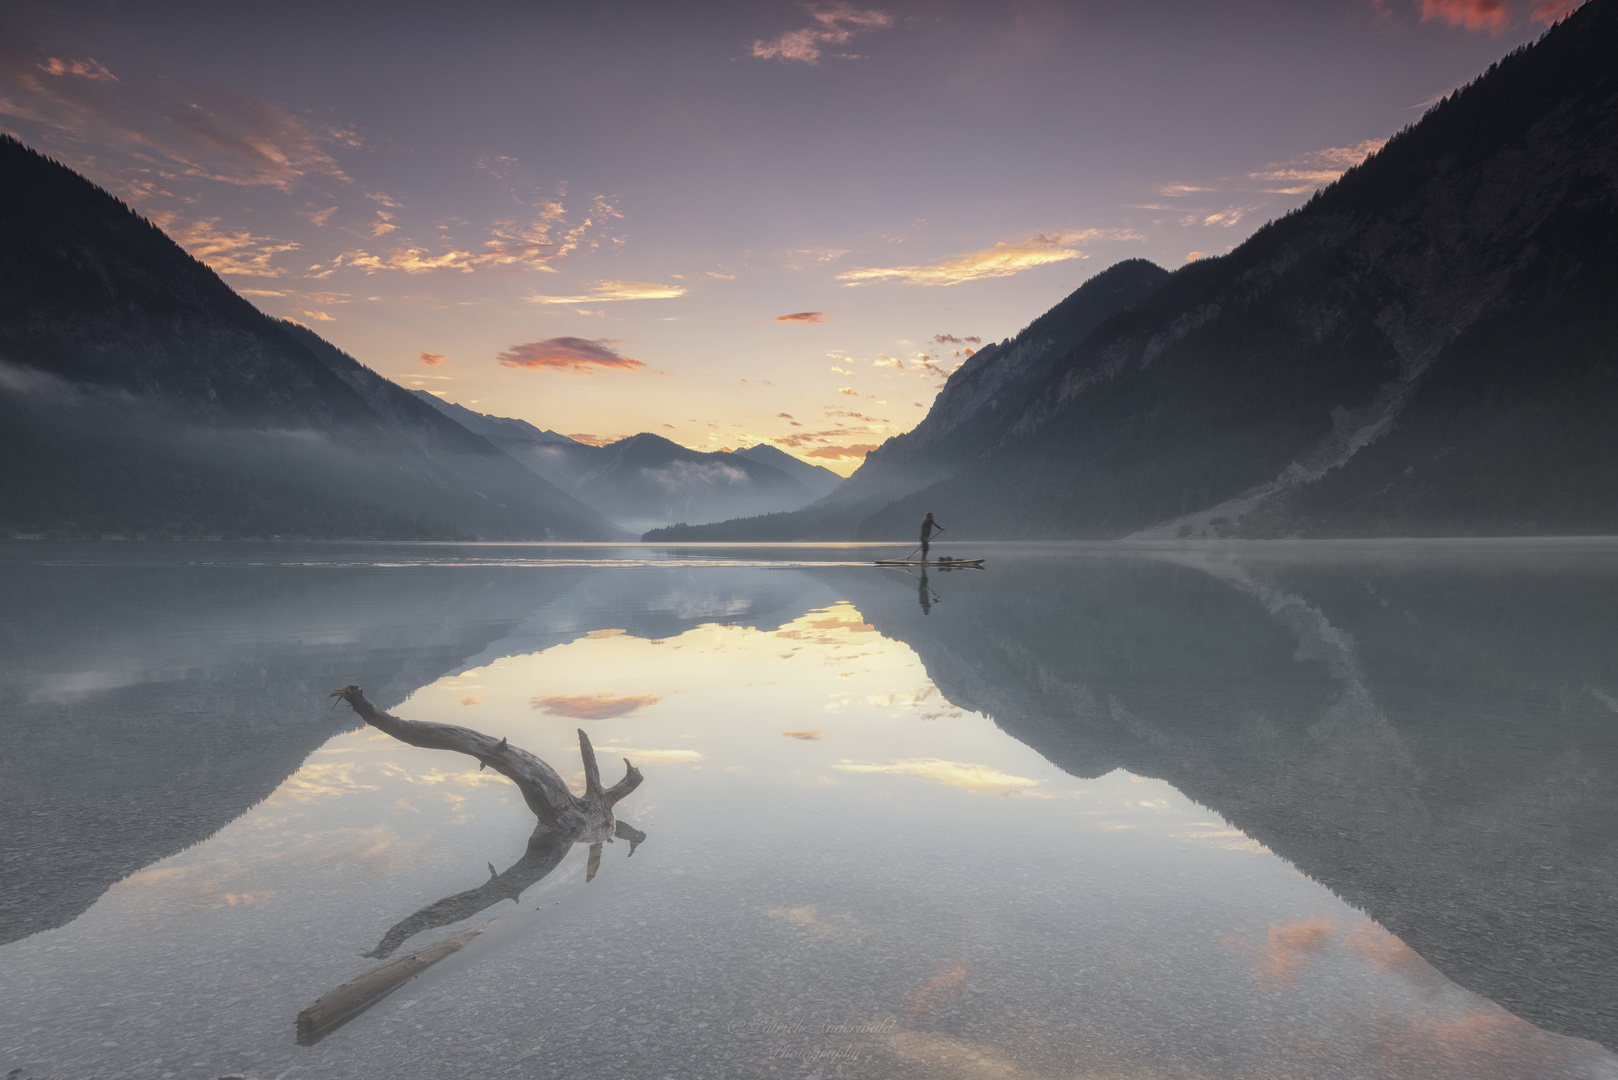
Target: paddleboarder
{"x":928,"y":527}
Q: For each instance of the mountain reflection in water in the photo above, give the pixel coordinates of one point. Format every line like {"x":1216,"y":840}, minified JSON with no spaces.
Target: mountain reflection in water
{"x":856,"y":869}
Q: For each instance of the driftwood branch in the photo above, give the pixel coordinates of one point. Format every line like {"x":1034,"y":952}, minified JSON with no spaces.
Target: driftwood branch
{"x":546,"y":794}
{"x":564,"y":819}
{"x":340,"y":1006}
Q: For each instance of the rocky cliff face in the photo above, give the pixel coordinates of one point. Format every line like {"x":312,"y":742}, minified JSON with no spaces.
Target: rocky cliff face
{"x":139,"y":394}
{"x":1424,"y":348}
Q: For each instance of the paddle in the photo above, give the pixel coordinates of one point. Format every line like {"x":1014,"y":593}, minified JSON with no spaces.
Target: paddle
{"x":917,"y":548}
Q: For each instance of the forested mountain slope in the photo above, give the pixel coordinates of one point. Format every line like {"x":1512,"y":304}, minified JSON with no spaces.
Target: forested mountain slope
{"x":1428,"y":347}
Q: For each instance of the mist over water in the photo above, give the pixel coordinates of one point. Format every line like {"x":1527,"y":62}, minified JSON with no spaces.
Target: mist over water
{"x":1246,"y":810}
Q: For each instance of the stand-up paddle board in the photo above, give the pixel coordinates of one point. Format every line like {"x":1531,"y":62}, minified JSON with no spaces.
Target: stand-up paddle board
{"x":976,"y":564}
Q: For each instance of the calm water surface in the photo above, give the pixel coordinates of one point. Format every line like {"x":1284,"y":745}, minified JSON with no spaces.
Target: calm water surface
{"x":1319,"y":810}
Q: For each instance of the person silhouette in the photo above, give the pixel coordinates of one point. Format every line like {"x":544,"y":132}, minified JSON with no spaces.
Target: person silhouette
{"x":924,"y":594}
{"x":928,"y":527}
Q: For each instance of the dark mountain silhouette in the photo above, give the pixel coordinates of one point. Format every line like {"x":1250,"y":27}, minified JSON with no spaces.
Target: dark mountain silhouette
{"x":139,"y":394}
{"x":1425,"y":348}
{"x":646,"y":481}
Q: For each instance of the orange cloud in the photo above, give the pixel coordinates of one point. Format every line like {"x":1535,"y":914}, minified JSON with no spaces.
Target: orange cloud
{"x":1288,"y":945}
{"x":1314,"y":169}
{"x":227,"y":252}
{"x":433,"y":359}
{"x":90,"y":68}
{"x":804,"y":316}
{"x":1391,"y":956}
{"x":936,"y":991}
{"x":807,"y":736}
{"x":837,"y":24}
{"x":579,"y":355}
{"x":1490,"y":15}
{"x":842,"y":453}
{"x":1549,"y":11}
{"x":203,"y":131}
{"x":1002,"y":260}
{"x":604,"y":291}
{"x":593,"y":440}
{"x":594,"y":706}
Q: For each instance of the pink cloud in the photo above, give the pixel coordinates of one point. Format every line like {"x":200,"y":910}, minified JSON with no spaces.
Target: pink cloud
{"x":841,"y":453}
{"x":1549,"y":11}
{"x":804,"y":316}
{"x":433,"y":359}
{"x":1490,"y":15}
{"x":89,"y":68}
{"x":579,"y":355}
{"x":836,"y":24}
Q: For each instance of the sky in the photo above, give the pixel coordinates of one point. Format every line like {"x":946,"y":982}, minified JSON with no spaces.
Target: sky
{"x":724,"y":223}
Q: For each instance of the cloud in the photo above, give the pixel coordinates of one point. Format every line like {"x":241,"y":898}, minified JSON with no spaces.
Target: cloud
{"x":227,"y":252}
{"x":784,"y":416}
{"x":835,"y":24}
{"x":1193,"y":256}
{"x":603,"y":291}
{"x":1173,"y":190}
{"x":318,"y":316}
{"x":806,"y":736}
{"x":1316,"y":168}
{"x":951,"y":339}
{"x":433,"y":359}
{"x":1287,"y":945}
{"x":1002,"y":260}
{"x":804,"y":316}
{"x":318,"y":217}
{"x":594,"y":706}
{"x":1490,"y":15}
{"x":1549,"y":11}
{"x":853,"y":452}
{"x":170,"y":127}
{"x":593,"y":440}
{"x":936,"y":991}
{"x":88,"y":68}
{"x":1227,"y":218}
{"x":579,"y":355}
{"x":953,"y":773}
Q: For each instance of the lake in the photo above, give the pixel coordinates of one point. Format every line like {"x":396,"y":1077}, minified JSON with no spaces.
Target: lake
{"x":1325,"y":809}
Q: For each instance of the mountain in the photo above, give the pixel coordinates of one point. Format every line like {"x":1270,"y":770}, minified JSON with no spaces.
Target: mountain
{"x":140,"y":395}
{"x":645,"y":481}
{"x":966,"y":419}
{"x":816,"y":478}
{"x":1424,"y":348}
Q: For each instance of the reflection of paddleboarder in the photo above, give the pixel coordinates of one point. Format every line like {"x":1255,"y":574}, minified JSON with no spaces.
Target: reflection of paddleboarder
{"x":925,"y":594}
{"x":928,"y":527}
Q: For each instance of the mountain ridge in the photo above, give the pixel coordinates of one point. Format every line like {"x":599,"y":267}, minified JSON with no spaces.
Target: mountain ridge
{"x":140,"y":395}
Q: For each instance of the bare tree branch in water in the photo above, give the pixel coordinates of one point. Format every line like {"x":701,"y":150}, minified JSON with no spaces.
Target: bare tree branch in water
{"x":564,"y":820}
{"x":587,"y":818}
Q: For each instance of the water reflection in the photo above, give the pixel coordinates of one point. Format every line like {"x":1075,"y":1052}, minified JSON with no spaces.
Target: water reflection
{"x":857,"y":869}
